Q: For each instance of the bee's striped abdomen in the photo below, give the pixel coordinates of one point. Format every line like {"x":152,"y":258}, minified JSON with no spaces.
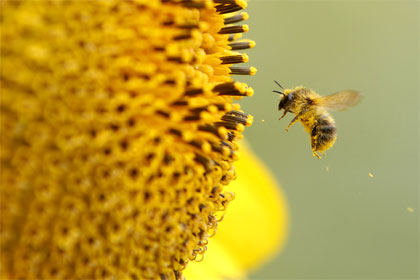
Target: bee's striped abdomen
{"x":323,"y":133}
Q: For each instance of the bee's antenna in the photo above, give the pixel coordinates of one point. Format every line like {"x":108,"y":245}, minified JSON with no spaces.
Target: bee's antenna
{"x":279,"y":84}
{"x":279,"y":92}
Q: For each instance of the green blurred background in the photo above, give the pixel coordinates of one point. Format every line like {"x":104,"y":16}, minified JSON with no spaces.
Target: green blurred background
{"x":344,"y":224}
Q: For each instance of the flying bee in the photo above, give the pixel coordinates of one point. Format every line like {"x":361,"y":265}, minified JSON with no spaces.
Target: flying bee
{"x":310,"y":109}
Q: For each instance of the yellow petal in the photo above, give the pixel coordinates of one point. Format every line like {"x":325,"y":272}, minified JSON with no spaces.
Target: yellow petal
{"x":218,"y":263}
{"x":253,"y":230}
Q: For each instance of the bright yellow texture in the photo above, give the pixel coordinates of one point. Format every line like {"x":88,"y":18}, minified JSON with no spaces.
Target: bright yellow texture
{"x":254,"y":228}
{"x":118,"y":134}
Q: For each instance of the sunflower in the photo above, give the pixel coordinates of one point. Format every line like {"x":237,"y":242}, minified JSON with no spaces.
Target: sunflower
{"x":118,"y":134}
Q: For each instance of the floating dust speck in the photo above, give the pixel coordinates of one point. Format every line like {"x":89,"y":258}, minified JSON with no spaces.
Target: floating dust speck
{"x":327,"y":169}
{"x":370,"y":175}
{"x":262,"y":120}
{"x":409,"y":209}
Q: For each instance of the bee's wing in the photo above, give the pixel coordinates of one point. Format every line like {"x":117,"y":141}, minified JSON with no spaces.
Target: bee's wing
{"x":341,"y":100}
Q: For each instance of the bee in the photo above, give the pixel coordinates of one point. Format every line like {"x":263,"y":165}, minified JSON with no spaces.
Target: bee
{"x":310,"y":109}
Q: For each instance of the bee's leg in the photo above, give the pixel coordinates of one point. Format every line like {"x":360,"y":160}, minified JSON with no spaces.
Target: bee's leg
{"x":316,"y":154}
{"x":295,"y":119}
{"x":284,"y":114}
{"x":314,"y":144}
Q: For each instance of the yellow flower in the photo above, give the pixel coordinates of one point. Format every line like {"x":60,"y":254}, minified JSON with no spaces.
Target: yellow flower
{"x":118,"y":134}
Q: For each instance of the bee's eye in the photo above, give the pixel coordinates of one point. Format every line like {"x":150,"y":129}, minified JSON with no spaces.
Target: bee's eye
{"x":281,"y":104}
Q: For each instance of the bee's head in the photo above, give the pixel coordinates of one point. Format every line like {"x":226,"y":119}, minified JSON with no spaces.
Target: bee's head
{"x":286,"y":99}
